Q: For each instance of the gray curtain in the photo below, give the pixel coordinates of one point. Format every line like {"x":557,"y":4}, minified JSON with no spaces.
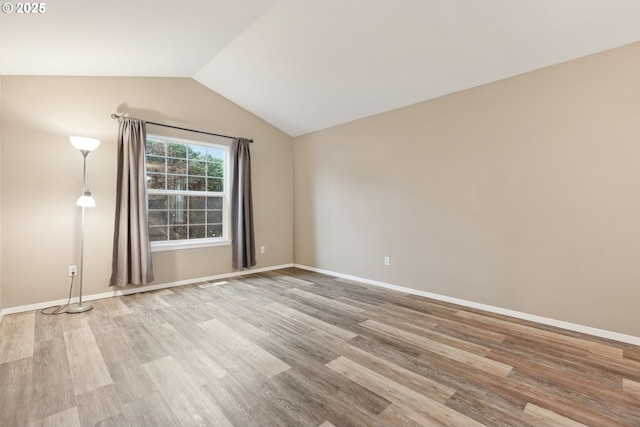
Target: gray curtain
{"x":243,"y":241}
{"x":131,"y":247}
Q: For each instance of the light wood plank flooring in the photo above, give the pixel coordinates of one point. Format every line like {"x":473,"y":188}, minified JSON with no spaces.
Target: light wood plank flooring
{"x":296,"y":348}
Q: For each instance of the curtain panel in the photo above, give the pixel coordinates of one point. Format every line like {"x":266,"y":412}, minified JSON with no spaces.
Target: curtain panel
{"x":242,"y":233}
{"x":131,"y":263}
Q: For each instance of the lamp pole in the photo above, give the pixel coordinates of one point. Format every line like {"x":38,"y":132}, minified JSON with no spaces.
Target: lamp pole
{"x":84,"y":201}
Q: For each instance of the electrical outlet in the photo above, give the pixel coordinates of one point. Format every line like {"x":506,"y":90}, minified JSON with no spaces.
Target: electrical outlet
{"x":386,"y":260}
{"x":73,"y":270}
{"x":262,"y":249}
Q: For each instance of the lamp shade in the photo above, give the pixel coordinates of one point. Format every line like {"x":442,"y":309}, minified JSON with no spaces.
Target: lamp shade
{"x":83,"y":143}
{"x":86,"y":200}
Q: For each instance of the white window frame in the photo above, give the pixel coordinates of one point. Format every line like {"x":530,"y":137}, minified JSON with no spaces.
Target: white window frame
{"x":170,"y":245}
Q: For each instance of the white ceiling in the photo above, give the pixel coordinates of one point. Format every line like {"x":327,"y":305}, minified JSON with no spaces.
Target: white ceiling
{"x":305,"y":65}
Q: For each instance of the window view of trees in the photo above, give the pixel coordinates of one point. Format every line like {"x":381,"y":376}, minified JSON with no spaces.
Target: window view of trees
{"x":186,"y":190}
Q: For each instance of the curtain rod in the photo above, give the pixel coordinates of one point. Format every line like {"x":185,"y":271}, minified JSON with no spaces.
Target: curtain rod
{"x":115,"y":116}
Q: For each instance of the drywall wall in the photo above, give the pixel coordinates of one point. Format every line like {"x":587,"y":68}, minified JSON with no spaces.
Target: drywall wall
{"x":520,"y":194}
{"x":42,"y":178}
{"x":1,"y":306}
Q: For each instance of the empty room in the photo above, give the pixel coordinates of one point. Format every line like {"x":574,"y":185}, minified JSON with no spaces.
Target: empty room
{"x":320,"y":213}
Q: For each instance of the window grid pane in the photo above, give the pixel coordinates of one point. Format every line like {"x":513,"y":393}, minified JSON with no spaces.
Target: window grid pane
{"x":175,"y":171}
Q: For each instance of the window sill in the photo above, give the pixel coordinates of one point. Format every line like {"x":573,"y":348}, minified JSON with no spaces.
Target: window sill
{"x":163,"y":246}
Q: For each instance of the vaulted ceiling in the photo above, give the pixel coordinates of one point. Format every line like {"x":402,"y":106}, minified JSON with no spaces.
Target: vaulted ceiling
{"x":305,"y":65}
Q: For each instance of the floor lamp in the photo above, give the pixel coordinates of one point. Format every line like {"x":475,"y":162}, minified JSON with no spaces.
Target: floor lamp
{"x":85,"y":146}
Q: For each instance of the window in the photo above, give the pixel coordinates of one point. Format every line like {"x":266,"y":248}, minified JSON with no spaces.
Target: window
{"x":188,"y":196}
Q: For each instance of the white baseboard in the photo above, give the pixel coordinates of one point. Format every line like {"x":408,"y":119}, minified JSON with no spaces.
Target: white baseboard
{"x":128,"y":291}
{"x":629,"y":339}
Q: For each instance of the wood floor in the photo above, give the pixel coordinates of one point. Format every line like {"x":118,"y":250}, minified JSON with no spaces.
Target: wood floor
{"x":295,"y":348}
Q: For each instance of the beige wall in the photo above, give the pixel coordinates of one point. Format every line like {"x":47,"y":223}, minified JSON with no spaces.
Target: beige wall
{"x":522,"y":194}
{"x":1,"y":306}
{"x":42,"y":177}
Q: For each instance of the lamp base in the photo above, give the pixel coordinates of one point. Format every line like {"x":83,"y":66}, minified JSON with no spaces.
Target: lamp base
{"x":79,"y":308}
